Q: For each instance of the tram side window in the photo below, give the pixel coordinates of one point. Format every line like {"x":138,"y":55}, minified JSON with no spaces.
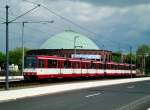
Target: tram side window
{"x":41,"y":63}
{"x":30,"y":62}
{"x":124,"y":67}
{"x":52,"y":63}
{"x":101,"y":66}
{"x":128,"y":67}
{"x":97,"y":65}
{"x":60,"y":64}
{"x":108,"y":66}
{"x":88,"y":65}
{"x":75,"y":64}
{"x":92,"y":66}
{"x":67,"y":64}
{"x":114,"y":66}
{"x":119,"y":67}
{"x":133,"y":67}
{"x":84,"y":65}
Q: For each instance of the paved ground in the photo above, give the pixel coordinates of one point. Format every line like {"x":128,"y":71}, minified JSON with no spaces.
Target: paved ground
{"x":118,"y":97}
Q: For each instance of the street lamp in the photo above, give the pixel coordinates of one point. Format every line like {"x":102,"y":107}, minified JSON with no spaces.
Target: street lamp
{"x":75,"y":46}
{"x":103,"y":53}
{"x":144,"y":55}
{"x":23,"y":25}
{"x":75,"y":38}
{"x":131,"y":61}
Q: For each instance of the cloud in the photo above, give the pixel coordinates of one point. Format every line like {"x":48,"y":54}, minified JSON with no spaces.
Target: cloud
{"x":117,"y":3}
{"x":115,"y":22}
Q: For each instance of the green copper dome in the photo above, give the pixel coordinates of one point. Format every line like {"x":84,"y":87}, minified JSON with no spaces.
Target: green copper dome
{"x":67,"y":40}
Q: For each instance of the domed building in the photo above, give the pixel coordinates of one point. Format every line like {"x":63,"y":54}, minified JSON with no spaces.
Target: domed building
{"x":71,"y":44}
{"x":69,"y":40}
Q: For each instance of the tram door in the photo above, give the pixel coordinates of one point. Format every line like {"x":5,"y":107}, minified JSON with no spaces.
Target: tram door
{"x":84,"y":68}
{"x":60,"y":66}
{"x":104,"y":69}
{"x":96,"y":65}
{"x":76,"y":68}
{"x":88,"y":64}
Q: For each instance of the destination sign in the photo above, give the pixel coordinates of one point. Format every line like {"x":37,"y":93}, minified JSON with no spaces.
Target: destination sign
{"x":86,"y":56}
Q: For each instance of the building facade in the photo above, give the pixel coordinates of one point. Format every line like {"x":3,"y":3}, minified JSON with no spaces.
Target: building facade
{"x":72,"y":44}
{"x":104,"y":55}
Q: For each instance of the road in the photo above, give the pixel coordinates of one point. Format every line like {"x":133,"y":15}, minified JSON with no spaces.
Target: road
{"x":118,"y":97}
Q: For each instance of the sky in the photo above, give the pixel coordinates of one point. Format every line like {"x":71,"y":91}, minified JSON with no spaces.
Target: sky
{"x":116,"y":24}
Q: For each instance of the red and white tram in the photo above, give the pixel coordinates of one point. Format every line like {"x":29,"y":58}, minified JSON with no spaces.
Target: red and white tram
{"x":42,"y":67}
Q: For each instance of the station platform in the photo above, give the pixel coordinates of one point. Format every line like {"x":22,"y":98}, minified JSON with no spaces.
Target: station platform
{"x":11,"y":78}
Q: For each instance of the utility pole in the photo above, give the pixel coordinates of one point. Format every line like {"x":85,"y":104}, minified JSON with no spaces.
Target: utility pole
{"x":144,"y":65}
{"x":22,"y":47}
{"x":7,"y":49}
{"x":131,"y":61}
{"x":7,"y":42}
{"x":104,"y":61}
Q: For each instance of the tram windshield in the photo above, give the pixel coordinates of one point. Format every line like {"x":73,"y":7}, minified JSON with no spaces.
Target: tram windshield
{"x":30,"y":62}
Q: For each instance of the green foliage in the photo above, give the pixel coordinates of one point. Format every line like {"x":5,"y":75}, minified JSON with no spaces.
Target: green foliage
{"x":147,"y":66}
{"x":2,"y":59}
{"x":116,"y":58}
{"x":130,"y":57}
{"x":143,"y":54}
{"x":15,"y":56}
{"x":143,"y":49}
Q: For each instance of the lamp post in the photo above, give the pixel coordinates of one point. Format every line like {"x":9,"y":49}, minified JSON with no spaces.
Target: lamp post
{"x":103,"y":53}
{"x":23,"y":26}
{"x":131,"y":61}
{"x":143,"y":65}
{"x":104,"y":60}
{"x":75,"y":38}
{"x":75,"y":46}
{"x":144,"y":68}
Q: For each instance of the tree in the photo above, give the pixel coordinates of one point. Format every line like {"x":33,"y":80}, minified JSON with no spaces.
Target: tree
{"x":143,"y":49}
{"x":116,"y":57}
{"x":130,"y":57}
{"x":2,"y":59}
{"x":143,"y":58}
{"x":15,"y":56}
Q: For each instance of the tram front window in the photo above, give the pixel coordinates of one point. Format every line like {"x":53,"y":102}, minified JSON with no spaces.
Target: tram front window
{"x":30,"y":62}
